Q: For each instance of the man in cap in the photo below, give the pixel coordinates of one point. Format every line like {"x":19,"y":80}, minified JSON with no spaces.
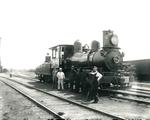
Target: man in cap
{"x":61,"y":76}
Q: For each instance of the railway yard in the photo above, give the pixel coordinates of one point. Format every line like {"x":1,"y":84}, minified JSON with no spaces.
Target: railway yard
{"x":74,"y":60}
{"x":23,"y":97}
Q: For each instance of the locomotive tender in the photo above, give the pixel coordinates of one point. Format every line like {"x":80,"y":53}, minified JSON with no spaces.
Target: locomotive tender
{"x":108,"y":59}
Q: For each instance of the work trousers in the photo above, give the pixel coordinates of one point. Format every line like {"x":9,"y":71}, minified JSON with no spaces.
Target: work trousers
{"x":60,"y":83}
{"x":55,"y":83}
{"x":93,"y":91}
{"x":71,"y":82}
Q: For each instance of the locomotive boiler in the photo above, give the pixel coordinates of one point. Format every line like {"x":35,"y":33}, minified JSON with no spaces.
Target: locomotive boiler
{"x":107,"y":58}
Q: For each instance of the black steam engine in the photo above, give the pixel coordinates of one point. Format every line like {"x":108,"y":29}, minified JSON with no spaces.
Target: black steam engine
{"x":108,"y":59}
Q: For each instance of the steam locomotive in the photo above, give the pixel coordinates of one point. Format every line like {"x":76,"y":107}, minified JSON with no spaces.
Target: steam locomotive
{"x":108,"y":59}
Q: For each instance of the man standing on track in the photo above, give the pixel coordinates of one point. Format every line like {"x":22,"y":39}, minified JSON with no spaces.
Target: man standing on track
{"x":72,"y":77}
{"x":95,"y":77}
{"x":54,"y":77}
{"x":61,"y":76}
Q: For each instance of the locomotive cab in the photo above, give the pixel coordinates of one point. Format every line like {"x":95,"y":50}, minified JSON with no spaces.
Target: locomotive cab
{"x":59,"y":54}
{"x":55,"y":59}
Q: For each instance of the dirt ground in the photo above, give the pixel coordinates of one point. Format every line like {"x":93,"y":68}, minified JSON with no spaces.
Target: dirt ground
{"x":14,"y":106}
{"x":129,"y":110}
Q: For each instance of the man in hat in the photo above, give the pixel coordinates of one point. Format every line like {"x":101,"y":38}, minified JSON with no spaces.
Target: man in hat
{"x":61,"y":76}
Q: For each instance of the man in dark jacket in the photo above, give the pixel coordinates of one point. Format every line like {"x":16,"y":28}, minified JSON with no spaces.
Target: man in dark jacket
{"x":72,"y":77}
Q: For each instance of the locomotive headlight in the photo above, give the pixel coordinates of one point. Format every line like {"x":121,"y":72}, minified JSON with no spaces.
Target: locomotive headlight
{"x":116,"y":60}
{"x":114,"y":40}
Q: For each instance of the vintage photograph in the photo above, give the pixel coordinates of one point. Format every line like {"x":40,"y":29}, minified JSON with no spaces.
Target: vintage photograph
{"x":74,"y":60}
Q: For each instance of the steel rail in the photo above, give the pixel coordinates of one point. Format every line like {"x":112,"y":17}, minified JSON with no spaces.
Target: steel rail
{"x":139,"y":91}
{"x":125,"y":93}
{"x":36,"y":102}
{"x":131,"y":99}
{"x":146,"y":90}
{"x":70,"y":101}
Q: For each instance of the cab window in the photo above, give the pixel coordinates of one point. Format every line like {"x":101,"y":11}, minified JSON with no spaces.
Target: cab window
{"x":54,"y":53}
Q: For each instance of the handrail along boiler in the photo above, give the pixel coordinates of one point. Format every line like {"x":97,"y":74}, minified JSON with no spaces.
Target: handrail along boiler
{"x":108,"y":59}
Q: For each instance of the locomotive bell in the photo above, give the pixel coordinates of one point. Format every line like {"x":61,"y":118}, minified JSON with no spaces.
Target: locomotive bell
{"x":110,"y":40}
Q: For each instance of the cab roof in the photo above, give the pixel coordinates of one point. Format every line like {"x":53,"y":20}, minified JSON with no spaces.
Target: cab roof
{"x":60,"y":46}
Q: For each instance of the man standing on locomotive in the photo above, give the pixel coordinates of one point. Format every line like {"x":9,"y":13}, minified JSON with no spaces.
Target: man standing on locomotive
{"x":95,"y":77}
{"x":61,"y":76}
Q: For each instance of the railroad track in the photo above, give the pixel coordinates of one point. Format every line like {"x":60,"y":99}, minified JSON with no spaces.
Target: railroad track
{"x":130,"y":95}
{"x":25,"y":77}
{"x":131,"y":92}
{"x":56,"y":115}
{"x":147,"y":85}
{"x":142,"y":91}
{"x":128,"y":92}
{"x":145,"y":92}
{"x":73,"y":110}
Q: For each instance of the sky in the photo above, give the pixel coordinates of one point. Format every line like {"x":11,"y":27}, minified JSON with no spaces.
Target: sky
{"x":29,"y":27}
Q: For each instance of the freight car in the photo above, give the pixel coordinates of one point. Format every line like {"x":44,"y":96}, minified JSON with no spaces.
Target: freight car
{"x":108,"y":59}
{"x":142,"y":69}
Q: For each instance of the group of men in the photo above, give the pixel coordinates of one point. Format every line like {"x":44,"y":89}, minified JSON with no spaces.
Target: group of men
{"x":78,"y":78}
